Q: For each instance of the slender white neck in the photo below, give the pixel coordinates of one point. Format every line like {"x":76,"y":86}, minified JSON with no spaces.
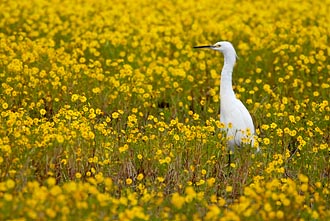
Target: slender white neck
{"x":226,"y":86}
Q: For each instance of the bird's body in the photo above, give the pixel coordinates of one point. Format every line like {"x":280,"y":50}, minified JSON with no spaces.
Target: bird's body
{"x":235,"y":117}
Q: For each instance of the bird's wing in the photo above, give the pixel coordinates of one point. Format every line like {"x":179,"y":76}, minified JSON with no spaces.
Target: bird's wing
{"x":246,"y":117}
{"x":236,"y":114}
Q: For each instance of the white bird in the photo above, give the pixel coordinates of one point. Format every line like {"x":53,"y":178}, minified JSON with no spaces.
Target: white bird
{"x":233,"y":114}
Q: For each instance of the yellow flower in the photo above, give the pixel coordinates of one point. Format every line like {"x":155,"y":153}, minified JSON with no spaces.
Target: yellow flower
{"x":32,"y":214}
{"x":96,"y":90}
{"x":168,"y":159}
{"x":115,"y":115}
{"x":229,"y":189}
{"x":304,"y":187}
{"x":82,"y":99}
{"x":123,"y":148}
{"x":177,"y":200}
{"x":210,"y":181}
{"x":160,"y":179}
{"x":10,"y":184}
{"x":91,"y":135}
{"x":230,"y":125}
{"x":74,"y":97}
{"x":78,"y":175}
{"x":213,"y":211}
{"x":190,"y":194}
{"x":265,"y":127}
{"x":4,"y":105}
{"x":55,"y":191}
{"x":323,"y":146}
{"x":200,"y":182}
{"x":129,"y":181}
{"x":42,"y":112}
{"x":99,"y":177}
{"x":51,"y":213}
{"x":60,"y":138}
{"x":195,"y":116}
{"x":303,"y":178}
{"x":8,"y":197}
{"x":266,"y":141}
{"x":267,"y":207}
{"x":222,"y":201}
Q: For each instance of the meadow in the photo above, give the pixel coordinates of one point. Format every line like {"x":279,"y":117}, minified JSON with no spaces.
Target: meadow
{"x":108,"y":113}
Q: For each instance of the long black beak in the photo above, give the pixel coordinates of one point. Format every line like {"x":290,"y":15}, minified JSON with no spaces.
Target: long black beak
{"x":204,"y":46}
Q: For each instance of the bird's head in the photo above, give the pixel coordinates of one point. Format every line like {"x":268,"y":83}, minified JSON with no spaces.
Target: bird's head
{"x":225,"y":47}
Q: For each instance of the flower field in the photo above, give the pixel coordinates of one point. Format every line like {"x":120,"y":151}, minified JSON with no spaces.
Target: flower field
{"x":108,"y":113}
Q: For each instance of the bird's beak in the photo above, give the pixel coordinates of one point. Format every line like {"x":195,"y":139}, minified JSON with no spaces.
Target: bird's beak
{"x":204,"y":46}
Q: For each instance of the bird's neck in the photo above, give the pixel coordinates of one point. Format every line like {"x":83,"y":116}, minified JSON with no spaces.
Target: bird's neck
{"x":226,"y":86}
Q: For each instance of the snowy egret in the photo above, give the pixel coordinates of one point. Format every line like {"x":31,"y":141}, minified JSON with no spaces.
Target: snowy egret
{"x":233,"y":114}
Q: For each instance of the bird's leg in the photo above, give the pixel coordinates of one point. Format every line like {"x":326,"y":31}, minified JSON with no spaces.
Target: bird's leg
{"x":229,"y":160}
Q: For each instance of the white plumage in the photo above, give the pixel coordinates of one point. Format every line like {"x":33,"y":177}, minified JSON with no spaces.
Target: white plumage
{"x":233,"y":114}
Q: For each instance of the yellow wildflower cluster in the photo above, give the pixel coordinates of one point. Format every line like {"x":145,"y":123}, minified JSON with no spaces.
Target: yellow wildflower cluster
{"x":108,"y":113}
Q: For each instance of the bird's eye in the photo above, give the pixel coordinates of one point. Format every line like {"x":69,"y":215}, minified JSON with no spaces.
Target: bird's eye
{"x":218,"y":46}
